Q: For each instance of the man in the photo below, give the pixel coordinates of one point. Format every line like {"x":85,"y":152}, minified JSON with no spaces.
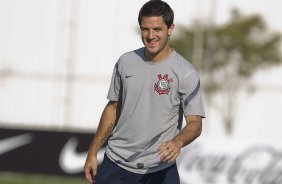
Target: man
{"x":151,"y":89}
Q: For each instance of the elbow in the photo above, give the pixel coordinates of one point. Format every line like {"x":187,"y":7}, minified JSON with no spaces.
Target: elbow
{"x":199,"y":133}
{"x":199,"y":130}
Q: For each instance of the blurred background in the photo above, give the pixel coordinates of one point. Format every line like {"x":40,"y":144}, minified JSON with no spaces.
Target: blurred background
{"x":56,"y":61}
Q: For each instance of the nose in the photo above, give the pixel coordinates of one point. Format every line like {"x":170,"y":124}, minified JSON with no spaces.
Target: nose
{"x":151,"y":34}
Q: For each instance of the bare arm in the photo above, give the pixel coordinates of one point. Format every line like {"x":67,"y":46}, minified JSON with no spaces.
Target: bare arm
{"x":107,"y":123}
{"x":190,"y":132}
{"x":170,"y":150}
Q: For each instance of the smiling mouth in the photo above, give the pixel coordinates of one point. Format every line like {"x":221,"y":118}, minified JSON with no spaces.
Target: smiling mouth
{"x":152,"y":43}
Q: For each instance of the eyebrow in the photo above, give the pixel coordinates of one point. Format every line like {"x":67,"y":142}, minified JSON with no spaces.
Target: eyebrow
{"x":144,"y":27}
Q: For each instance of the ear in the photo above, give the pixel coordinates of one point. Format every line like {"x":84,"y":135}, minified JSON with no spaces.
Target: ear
{"x":170,"y":29}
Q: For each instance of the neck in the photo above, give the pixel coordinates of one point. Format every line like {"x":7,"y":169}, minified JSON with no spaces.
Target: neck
{"x":156,"y":57}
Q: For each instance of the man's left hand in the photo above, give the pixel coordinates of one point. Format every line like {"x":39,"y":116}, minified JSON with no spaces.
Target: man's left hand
{"x":169,"y":151}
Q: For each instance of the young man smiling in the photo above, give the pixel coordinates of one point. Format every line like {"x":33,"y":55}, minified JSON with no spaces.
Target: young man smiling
{"x":152,"y":88}
{"x":155,"y":36}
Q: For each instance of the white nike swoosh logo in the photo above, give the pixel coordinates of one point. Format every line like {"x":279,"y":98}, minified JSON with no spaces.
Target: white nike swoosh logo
{"x":73,"y":162}
{"x":12,"y":143}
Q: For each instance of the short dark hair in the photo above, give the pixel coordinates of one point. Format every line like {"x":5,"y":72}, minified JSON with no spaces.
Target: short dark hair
{"x":157,"y":8}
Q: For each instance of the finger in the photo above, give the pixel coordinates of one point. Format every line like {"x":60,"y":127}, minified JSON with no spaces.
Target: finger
{"x":163,"y":152}
{"x":162,"y":147}
{"x":90,"y":175}
{"x":166,"y":156}
{"x":165,"y":146}
{"x":89,"y":178}
{"x":93,"y":175}
{"x":172,"y":157}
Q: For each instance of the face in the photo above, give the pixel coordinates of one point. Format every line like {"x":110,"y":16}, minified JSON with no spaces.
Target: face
{"x":155,"y":35}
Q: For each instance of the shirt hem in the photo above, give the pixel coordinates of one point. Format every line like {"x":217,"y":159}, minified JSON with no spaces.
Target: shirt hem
{"x":142,"y":171}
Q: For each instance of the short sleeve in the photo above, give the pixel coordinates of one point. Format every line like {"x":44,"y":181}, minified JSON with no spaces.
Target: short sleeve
{"x":115,"y":86}
{"x":190,"y":93}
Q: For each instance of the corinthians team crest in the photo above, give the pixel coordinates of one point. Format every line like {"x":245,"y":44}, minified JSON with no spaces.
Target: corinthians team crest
{"x":162,"y":86}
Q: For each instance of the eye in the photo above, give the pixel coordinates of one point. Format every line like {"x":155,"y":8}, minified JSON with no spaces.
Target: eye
{"x":158,"y":29}
{"x":144,"y":29}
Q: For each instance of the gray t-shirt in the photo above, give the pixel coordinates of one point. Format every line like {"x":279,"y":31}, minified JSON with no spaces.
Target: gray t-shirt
{"x":154,"y":97}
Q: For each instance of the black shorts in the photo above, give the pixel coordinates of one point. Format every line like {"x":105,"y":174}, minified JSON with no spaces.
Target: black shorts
{"x":111,"y":173}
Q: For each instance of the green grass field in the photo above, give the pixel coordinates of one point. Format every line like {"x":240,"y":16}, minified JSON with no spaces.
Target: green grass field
{"x":23,"y":178}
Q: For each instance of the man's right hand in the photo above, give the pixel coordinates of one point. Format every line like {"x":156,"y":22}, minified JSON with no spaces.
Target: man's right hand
{"x":90,"y":168}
